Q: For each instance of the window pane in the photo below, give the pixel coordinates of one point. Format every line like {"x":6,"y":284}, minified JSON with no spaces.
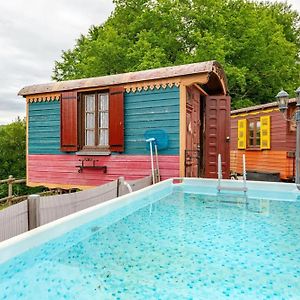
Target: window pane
{"x":258,"y":126}
{"x":103,"y":120}
{"x":103,"y":137}
{"x":251,"y":133}
{"x":251,"y":125}
{"x":90,"y":137}
{"x":103,"y":123}
{"x":251,"y":142}
{"x":257,"y":133}
{"x":90,"y":103}
{"x":103,"y":102}
{"x":90,"y":121}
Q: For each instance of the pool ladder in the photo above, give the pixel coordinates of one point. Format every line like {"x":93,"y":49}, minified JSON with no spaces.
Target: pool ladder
{"x":231,"y":188}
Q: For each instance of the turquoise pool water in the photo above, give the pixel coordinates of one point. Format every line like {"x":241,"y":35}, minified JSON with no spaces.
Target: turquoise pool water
{"x":183,"y":246}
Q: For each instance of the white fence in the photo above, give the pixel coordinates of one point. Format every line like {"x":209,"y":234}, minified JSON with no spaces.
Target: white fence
{"x":37,"y":211}
{"x":13,"y":220}
{"x":54,"y":207}
{"x":134,"y":184}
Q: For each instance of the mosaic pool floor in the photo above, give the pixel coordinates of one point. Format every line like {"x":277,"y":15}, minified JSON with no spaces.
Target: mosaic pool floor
{"x":184,"y":246}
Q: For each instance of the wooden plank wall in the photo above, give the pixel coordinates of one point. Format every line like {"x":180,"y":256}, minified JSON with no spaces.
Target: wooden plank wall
{"x":151,"y":109}
{"x":61,"y":170}
{"x":278,"y":130}
{"x":272,"y":160}
{"x":263,"y":161}
{"x":44,"y":128}
{"x":144,"y":110}
{"x":13,"y":220}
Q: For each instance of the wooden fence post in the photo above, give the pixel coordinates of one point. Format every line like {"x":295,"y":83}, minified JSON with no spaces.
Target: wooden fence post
{"x":33,"y":203}
{"x":120,"y":186}
{"x":10,"y":188}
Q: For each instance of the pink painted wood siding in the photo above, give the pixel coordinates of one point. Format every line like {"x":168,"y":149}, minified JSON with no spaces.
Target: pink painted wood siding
{"x":61,"y":169}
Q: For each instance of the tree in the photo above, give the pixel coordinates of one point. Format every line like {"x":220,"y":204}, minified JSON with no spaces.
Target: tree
{"x":13,"y":156}
{"x":258,"y":44}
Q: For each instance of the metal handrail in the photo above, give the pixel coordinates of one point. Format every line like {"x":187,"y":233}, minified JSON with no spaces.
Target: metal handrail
{"x":219,"y":187}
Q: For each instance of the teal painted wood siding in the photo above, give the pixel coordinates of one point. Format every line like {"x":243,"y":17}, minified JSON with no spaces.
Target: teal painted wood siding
{"x":151,"y":109}
{"x":44,"y":128}
{"x":156,"y":109}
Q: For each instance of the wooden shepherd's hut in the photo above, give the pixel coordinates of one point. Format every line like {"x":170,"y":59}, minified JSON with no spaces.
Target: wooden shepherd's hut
{"x":87,"y":132}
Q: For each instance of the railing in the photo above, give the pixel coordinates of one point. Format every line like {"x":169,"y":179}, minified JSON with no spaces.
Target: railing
{"x":12,"y":199}
{"x":231,"y":187}
{"x":10,"y":181}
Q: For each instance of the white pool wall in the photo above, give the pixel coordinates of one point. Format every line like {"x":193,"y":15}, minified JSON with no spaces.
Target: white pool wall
{"x":256,"y":189}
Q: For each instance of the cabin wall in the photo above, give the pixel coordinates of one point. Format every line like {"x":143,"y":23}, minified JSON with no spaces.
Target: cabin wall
{"x":151,"y":109}
{"x":44,"y":127}
{"x":143,"y":110}
{"x":272,"y":160}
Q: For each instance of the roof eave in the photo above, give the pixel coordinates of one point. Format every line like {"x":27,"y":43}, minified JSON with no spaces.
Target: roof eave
{"x":147,"y":75}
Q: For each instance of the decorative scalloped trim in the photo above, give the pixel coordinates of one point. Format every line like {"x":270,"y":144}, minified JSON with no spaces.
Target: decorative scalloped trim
{"x":43,"y":98}
{"x":254,"y":113}
{"x":151,"y":86}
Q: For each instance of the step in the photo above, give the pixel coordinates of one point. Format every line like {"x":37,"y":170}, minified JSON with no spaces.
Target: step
{"x":232,"y":188}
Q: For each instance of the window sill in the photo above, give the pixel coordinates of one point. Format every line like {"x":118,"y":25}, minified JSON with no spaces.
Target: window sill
{"x":93,"y":153}
{"x":253,"y":149}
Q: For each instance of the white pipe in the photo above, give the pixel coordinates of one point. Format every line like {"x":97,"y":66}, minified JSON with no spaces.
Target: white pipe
{"x":219,"y":171}
{"x":244,"y":172}
{"x":297,"y":160}
{"x":128,"y":186}
{"x":157,"y":165}
{"x":151,"y":156}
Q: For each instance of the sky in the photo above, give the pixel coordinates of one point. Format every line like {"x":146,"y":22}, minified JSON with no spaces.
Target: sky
{"x":33,"y":34}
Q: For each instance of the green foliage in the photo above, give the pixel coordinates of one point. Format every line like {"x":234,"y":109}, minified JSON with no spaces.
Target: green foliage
{"x":13,"y":156}
{"x":242,"y":103}
{"x":257,"y":43}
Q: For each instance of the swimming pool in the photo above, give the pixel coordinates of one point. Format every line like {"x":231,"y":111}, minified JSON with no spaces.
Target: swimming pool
{"x":169,"y":241}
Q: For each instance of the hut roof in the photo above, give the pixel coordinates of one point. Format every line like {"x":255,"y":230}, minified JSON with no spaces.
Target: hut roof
{"x":259,"y":107}
{"x":153,"y":74}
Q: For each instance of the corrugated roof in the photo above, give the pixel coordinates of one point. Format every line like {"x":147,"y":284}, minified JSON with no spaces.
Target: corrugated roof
{"x":259,"y":107}
{"x":167,"y":72}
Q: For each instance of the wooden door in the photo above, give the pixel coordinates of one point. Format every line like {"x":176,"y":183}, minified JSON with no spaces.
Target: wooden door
{"x":217,"y":135}
{"x":192,"y":132}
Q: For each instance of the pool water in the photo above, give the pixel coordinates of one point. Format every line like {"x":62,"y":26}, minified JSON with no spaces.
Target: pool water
{"x":183,"y":246}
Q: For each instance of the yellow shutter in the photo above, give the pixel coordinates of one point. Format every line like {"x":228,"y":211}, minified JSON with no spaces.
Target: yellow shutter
{"x":242,"y":130}
{"x":265,"y":134}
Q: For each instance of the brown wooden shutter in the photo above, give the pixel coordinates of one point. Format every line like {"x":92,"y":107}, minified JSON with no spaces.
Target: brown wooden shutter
{"x":68,"y":122}
{"x":116,"y":118}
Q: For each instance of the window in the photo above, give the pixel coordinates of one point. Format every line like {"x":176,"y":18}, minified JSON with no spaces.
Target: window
{"x":93,"y":121}
{"x":96,"y":120}
{"x":254,"y":133}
